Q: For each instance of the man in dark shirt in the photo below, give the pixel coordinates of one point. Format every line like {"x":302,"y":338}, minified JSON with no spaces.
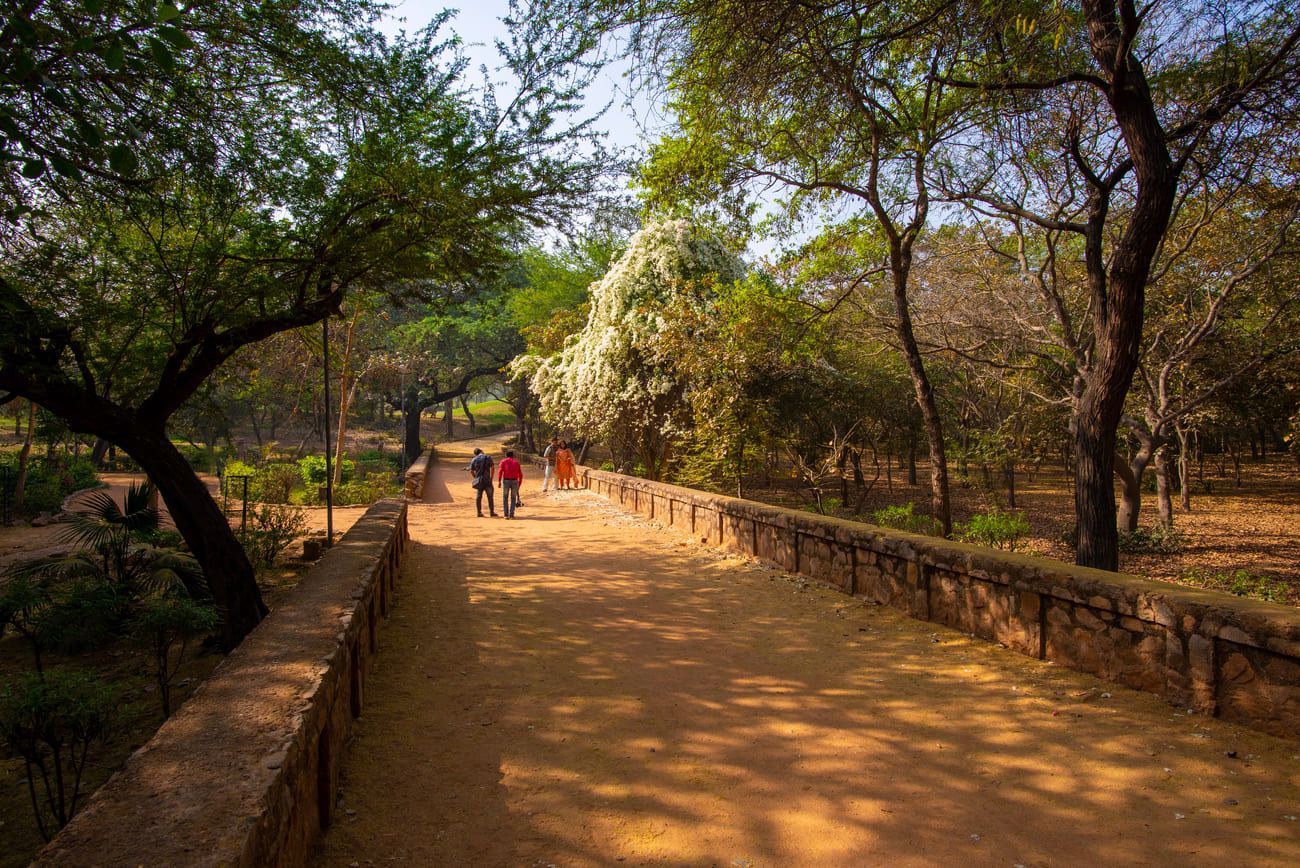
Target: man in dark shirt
{"x":480,"y":469}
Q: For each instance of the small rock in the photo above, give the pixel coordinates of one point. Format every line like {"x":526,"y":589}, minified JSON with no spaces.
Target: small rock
{"x":975,"y":838}
{"x":1230,"y":802}
{"x":1105,"y":696}
{"x":1290,"y":817}
{"x":1180,"y":816}
{"x":1230,"y":754}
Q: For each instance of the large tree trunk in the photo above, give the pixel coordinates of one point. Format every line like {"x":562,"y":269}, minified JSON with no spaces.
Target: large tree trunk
{"x":411,"y":411}
{"x":204,"y":527}
{"x":1118,"y":291}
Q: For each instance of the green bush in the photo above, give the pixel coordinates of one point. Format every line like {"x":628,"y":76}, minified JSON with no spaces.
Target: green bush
{"x":233,"y":487}
{"x":163,"y":620}
{"x":272,"y":527}
{"x":49,"y":481}
{"x":366,"y":490}
{"x":905,"y":518}
{"x":996,"y":529}
{"x":1157,"y":540}
{"x":270,"y":483}
{"x":273,"y":483}
{"x":312,"y":469}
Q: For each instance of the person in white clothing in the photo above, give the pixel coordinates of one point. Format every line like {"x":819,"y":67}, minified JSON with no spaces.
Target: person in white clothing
{"x":548,"y":462}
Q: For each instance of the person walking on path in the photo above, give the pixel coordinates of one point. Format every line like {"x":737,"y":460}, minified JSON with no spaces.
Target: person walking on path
{"x":548,"y":463}
{"x":565,"y":474}
{"x":480,"y":468}
{"x":510,"y":475}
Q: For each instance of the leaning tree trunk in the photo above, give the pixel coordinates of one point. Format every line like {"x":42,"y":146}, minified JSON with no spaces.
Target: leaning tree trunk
{"x":205,"y":529}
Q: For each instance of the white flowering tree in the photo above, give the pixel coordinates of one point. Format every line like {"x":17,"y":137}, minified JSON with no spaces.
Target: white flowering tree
{"x":615,"y":380}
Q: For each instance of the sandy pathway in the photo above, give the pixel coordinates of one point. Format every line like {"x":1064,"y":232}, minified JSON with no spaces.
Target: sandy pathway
{"x":578,"y":688}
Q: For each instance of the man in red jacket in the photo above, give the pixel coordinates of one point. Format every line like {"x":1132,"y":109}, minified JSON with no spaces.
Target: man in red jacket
{"x":510,"y":476}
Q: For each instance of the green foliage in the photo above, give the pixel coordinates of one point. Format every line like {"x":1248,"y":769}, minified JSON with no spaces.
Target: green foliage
{"x":1243,"y":583}
{"x":996,"y":529}
{"x":366,"y":490}
{"x":50,"y":481}
{"x":272,"y":528}
{"x":163,"y":620}
{"x":376,"y":457}
{"x":234,"y":487}
{"x":825,"y":506}
{"x":312,"y":470}
{"x":51,"y":721}
{"x":1156,"y":540}
{"x":273,"y":483}
{"x":905,"y":518}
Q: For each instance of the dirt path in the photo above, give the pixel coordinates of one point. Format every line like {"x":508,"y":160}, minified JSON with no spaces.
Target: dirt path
{"x":580,"y":688}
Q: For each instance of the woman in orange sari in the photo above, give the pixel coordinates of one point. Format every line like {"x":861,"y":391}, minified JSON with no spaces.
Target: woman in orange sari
{"x":565,"y":474}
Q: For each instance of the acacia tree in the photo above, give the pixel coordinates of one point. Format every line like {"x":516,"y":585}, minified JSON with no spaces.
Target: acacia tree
{"x":290,"y":157}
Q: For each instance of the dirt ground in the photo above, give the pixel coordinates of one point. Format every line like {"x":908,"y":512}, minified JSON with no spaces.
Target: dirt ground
{"x":1251,"y":526}
{"x":579,"y":687}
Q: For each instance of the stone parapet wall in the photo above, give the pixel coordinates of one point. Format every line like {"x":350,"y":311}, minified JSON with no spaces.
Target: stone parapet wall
{"x":1235,"y":658}
{"x":244,"y":774}
{"x":415,"y":476}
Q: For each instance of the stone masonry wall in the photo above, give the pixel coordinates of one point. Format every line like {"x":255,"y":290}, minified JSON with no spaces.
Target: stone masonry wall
{"x":1235,"y":658}
{"x":244,"y":773}
{"x":414,"y":478}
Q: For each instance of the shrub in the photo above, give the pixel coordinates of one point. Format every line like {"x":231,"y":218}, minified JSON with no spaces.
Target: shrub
{"x":366,"y":490}
{"x":273,"y":483}
{"x":312,"y":469}
{"x":1157,"y":540}
{"x":905,"y":518}
{"x":163,"y":620}
{"x":52,"y":721}
{"x":49,"y":481}
{"x":270,"y":483}
{"x":996,"y":529}
{"x":272,"y":528}
{"x":235,"y":487}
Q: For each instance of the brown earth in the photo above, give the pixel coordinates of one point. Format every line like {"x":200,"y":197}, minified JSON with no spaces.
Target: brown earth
{"x":580,"y":687}
{"x":1248,"y":525}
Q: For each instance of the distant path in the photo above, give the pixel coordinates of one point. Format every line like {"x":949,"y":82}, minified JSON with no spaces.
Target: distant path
{"x":578,"y":688}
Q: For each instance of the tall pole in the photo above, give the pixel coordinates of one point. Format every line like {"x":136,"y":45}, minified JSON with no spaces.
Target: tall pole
{"x":329,"y":474}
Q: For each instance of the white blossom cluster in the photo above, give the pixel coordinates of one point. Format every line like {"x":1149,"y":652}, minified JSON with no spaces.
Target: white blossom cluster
{"x":611,"y":380}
